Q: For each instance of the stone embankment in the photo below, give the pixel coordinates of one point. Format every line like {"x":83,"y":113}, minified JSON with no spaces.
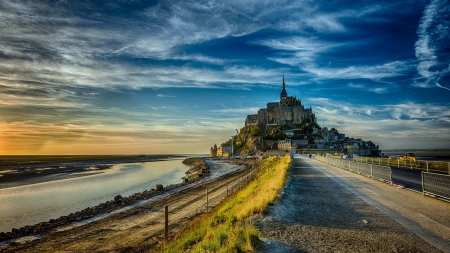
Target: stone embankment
{"x":198,"y":168}
{"x":107,"y":207}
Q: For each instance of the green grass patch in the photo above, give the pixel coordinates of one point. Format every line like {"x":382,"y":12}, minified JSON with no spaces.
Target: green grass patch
{"x":227,"y":228}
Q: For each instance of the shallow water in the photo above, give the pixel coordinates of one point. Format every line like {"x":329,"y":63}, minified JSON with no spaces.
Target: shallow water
{"x":31,"y":204}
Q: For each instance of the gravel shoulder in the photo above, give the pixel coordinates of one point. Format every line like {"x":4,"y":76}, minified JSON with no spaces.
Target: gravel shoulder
{"x":326,"y":209}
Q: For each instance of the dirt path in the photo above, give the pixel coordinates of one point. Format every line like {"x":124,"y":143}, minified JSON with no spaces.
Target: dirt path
{"x":326,"y":209}
{"x":142,"y":227}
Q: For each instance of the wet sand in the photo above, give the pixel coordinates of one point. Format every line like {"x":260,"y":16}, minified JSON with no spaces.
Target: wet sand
{"x":24,"y":170}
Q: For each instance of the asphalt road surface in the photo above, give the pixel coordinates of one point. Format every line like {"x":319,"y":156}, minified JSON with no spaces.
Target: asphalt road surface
{"x":327,"y":209}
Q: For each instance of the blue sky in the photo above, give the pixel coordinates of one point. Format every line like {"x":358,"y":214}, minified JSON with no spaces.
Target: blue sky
{"x":116,"y":77}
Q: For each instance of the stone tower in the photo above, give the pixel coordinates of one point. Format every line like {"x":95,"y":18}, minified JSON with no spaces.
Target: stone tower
{"x":283,"y":96}
{"x":213,"y":151}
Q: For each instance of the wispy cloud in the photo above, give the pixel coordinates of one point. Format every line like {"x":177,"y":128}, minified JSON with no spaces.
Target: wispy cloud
{"x":410,"y":125}
{"x":166,"y":96}
{"x":433,"y":32}
{"x":246,"y":111}
{"x":376,"y":72}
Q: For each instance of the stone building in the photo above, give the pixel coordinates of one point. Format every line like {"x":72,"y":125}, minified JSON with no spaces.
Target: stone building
{"x":224,"y":150}
{"x":285,"y":145}
{"x":213,"y":151}
{"x":288,"y":111}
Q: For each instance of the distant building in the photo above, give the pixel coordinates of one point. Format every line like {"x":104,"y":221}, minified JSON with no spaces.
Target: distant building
{"x":287,"y":145}
{"x":301,"y":143}
{"x":213,"y":151}
{"x":288,"y":111}
{"x":224,"y":150}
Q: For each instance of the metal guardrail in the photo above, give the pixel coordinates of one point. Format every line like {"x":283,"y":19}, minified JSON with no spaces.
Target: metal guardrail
{"x":365,"y":168}
{"x":436,"y":184}
{"x":371,"y":170}
{"x":432,"y":183}
{"x":382,"y":172}
{"x":428,"y":166}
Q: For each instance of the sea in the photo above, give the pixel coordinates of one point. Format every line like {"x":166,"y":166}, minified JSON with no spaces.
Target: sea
{"x":34,"y":203}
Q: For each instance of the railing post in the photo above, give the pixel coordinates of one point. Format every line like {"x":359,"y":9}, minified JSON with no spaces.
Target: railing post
{"x":423,"y":186}
{"x":390,"y":176}
{"x":398,"y":163}
{"x":359,"y":168}
{"x":206,"y":199}
{"x":166,"y":223}
{"x":388,"y":161}
{"x":371,"y":171}
{"x":427,"y":165}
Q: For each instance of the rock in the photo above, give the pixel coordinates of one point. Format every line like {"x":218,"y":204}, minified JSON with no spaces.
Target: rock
{"x":29,"y":230}
{"x":71,"y":216}
{"x":159,"y":187}
{"x":118,"y":199}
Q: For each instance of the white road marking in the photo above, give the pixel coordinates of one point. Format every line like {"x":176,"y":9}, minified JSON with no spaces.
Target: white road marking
{"x":371,"y":191}
{"x":433,"y":221}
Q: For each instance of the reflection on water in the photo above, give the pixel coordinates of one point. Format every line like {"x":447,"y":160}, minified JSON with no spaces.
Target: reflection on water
{"x":31,"y":204}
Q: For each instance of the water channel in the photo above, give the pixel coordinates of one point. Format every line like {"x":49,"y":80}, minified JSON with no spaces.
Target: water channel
{"x":31,"y":204}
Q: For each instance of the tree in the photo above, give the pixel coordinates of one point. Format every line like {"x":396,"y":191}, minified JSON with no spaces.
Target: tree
{"x":255,"y":131}
{"x":249,"y":148}
{"x":334,"y":131}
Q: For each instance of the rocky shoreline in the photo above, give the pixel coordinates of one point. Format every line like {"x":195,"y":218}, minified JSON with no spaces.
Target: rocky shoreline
{"x":198,"y":168}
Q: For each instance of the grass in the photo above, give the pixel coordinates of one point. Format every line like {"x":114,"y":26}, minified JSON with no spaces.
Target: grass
{"x":228,"y":228}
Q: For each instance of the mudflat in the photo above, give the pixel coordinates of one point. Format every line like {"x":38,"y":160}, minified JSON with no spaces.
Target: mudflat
{"x":23,"y":170}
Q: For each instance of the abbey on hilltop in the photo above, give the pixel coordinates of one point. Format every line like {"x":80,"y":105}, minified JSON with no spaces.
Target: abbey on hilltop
{"x":289,"y":111}
{"x":286,"y":126}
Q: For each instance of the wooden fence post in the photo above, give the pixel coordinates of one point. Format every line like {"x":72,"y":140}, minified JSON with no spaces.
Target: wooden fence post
{"x":166,"y":223}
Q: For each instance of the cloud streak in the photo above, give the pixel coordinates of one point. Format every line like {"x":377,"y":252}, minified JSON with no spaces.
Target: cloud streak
{"x":433,"y":32}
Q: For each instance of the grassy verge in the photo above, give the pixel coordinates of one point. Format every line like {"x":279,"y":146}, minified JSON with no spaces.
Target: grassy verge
{"x":227,"y":228}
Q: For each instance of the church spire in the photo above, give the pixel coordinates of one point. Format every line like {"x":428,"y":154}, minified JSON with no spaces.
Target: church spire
{"x":283,"y":91}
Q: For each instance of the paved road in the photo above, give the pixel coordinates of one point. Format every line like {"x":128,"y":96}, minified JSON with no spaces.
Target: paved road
{"x":325,"y":208}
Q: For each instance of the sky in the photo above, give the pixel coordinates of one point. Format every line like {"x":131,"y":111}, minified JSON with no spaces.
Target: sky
{"x":153,"y":77}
